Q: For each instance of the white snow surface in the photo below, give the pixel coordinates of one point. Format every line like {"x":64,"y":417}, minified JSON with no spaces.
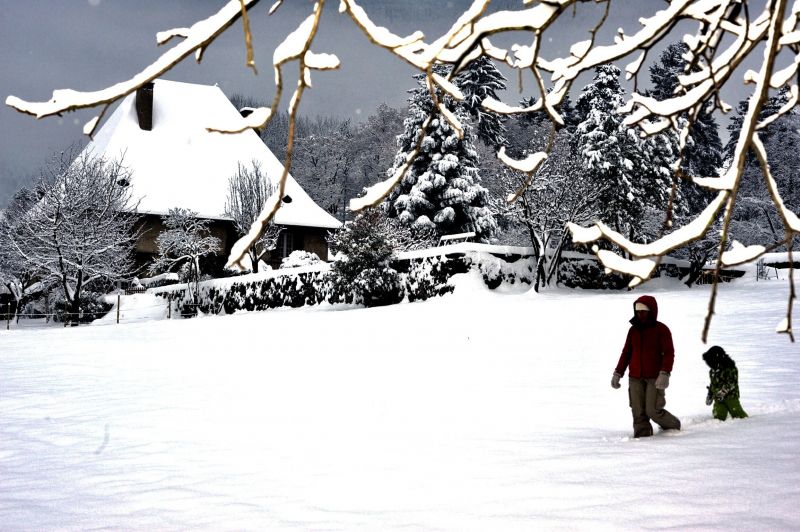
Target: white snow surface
{"x":477,"y":411}
{"x":179,"y":163}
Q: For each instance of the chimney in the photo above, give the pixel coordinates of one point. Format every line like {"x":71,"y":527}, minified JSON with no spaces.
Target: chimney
{"x":144,"y":106}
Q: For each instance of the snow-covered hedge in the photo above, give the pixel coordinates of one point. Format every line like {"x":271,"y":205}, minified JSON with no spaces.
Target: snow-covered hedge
{"x":588,"y":273}
{"x":418,"y":278}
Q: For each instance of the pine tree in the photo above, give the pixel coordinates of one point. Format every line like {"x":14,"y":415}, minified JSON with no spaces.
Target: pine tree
{"x":441,"y":189}
{"x":609,"y":150}
{"x":770,"y":107}
{"x":755,"y":219}
{"x":479,"y":80}
{"x":702,"y":155}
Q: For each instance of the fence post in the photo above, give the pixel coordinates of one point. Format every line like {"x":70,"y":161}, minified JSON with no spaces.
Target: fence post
{"x":169,"y":308}
{"x":118,"y":298}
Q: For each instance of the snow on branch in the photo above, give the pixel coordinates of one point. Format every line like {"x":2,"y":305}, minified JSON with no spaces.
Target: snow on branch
{"x":689,"y":232}
{"x":163,"y":37}
{"x":296,"y":46}
{"x":242,"y":246}
{"x":640,"y":269}
{"x":740,"y":254}
{"x":256,"y":119}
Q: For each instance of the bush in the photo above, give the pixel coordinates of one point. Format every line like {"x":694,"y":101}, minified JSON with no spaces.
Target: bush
{"x":299,"y":258}
{"x":361,"y":272}
{"x":92,"y":307}
{"x":379,"y":286}
{"x":419,"y":279}
{"x":429,"y":277}
{"x":587,"y":273}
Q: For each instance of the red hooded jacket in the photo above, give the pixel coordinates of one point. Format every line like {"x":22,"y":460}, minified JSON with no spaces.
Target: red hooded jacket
{"x":648,"y":347}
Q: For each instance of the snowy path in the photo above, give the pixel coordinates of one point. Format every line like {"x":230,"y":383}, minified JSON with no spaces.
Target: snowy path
{"x":377,"y":419}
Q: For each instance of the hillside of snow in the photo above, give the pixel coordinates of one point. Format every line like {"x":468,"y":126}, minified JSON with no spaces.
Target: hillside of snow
{"x":477,"y":411}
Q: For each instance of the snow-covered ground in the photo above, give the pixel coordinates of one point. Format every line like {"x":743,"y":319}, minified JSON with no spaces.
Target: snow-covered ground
{"x":478,"y":411}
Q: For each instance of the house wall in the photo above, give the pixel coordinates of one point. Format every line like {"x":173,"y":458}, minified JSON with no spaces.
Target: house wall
{"x":310,"y":239}
{"x":150,"y":226}
{"x":314,"y":241}
{"x":306,"y":238}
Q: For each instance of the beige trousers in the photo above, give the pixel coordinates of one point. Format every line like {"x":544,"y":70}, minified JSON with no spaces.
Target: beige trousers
{"x":648,"y":403}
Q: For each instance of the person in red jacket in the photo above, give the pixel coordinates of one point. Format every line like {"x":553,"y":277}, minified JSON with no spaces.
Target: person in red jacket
{"x":648,"y":354}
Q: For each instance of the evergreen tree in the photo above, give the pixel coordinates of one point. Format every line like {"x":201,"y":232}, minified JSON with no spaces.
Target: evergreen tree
{"x":770,"y":107}
{"x":702,"y":155}
{"x":361,"y":271}
{"x":479,"y":80}
{"x":440,"y":190}
{"x":610,"y":151}
{"x":755,"y":219}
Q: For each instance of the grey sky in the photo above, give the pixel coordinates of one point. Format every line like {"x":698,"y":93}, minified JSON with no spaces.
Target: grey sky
{"x":91,"y":44}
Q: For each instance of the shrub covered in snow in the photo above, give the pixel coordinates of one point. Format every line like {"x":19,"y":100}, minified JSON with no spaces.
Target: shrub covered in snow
{"x":162,"y":279}
{"x":91,"y":306}
{"x":361,"y":272}
{"x":300,"y":258}
{"x":588,"y":273}
{"x":379,"y":286}
{"x":427,"y":277}
{"x":415,"y":277}
{"x":296,"y":290}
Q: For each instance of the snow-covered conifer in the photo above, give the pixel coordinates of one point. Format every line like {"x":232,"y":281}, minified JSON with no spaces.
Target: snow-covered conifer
{"x":441,"y":189}
{"x":754,"y":217}
{"x":610,"y":151}
{"x":361,"y":271}
{"x":478,"y":80}
{"x":702,"y":154}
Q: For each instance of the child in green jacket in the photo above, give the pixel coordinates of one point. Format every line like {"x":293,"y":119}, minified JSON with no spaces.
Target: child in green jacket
{"x":724,"y":388}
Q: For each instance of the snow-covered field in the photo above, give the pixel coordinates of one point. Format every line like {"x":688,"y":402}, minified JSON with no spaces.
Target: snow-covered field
{"x":478,"y":411}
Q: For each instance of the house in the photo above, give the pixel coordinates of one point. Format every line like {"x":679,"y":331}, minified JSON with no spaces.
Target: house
{"x":160,"y":134}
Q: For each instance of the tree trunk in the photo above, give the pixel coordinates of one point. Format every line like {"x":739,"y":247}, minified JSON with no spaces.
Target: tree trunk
{"x":254,"y":259}
{"x":74,"y":310}
{"x":695,"y":271}
{"x":556,"y":260}
{"x":75,"y":305}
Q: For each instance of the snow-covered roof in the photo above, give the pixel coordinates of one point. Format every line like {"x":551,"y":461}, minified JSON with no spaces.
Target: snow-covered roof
{"x":180,"y":164}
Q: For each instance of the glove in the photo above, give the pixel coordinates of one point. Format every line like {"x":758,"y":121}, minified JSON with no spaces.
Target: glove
{"x":662,"y":382}
{"x":615,"y":380}
{"x":709,"y":399}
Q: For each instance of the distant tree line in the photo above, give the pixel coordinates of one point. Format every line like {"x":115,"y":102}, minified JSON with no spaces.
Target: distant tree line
{"x":598,"y":167}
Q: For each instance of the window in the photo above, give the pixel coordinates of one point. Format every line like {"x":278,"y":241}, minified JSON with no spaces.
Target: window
{"x":285,"y":243}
